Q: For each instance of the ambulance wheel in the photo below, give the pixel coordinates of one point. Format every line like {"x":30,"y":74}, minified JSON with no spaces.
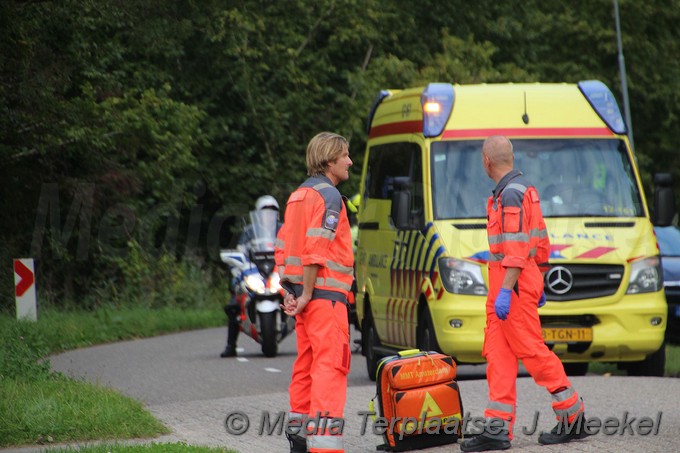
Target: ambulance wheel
{"x":268,"y":336}
{"x":371,"y":340}
{"x":653,"y":365}
{"x":427,"y":340}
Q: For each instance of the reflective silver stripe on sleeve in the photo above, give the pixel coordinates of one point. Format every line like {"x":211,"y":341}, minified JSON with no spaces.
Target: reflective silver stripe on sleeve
{"x":333,"y":443}
{"x":495,"y":239}
{"x":496,"y":406}
{"x":496,"y":257}
{"x":293,"y":261}
{"x":279,"y":243}
{"x":321,"y":232}
{"x":563,"y":395}
{"x":532,"y":252}
{"x":536,"y":233}
{"x":292,"y":278}
{"x":337,"y":267}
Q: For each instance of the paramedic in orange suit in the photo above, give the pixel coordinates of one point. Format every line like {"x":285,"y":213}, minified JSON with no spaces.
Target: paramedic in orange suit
{"x":315,"y":261}
{"x":518,"y":257}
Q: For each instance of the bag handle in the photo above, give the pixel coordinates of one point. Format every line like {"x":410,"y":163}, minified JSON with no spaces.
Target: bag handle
{"x":409,"y":352}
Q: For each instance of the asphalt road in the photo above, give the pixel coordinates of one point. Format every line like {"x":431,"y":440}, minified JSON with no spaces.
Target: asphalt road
{"x":185,"y":384}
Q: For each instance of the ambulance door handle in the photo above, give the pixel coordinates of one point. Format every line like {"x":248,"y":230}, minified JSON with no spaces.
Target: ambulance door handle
{"x":398,"y":242}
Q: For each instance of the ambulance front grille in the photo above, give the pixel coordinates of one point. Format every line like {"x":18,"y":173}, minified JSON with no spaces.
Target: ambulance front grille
{"x":569,"y":321}
{"x":567,"y":282}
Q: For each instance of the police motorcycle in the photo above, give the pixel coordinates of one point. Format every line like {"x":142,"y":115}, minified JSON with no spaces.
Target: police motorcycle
{"x":256,"y":283}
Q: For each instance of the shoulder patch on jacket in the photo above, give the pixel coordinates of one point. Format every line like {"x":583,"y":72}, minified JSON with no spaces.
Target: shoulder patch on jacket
{"x":331,"y":219}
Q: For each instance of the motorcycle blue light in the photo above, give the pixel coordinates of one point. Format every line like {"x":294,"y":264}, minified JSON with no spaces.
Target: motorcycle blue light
{"x":603,"y":102}
{"x":437,"y":102}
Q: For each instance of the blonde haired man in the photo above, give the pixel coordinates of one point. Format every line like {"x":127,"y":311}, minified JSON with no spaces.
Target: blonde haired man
{"x":315,"y":260}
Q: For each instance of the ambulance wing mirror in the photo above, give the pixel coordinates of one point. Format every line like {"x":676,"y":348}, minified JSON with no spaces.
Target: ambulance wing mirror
{"x":664,"y":200}
{"x":401,"y":204}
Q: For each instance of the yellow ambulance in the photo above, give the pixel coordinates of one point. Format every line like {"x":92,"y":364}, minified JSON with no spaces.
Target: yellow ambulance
{"x":422,"y":250}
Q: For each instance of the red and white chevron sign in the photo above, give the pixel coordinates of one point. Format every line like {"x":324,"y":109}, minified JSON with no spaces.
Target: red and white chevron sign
{"x":24,"y":289}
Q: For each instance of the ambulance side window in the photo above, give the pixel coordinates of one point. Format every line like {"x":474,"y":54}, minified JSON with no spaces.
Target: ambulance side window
{"x":395,"y":160}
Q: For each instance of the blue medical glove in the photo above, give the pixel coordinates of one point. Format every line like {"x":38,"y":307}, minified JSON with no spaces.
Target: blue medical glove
{"x":541,"y":300}
{"x":502,"y":304}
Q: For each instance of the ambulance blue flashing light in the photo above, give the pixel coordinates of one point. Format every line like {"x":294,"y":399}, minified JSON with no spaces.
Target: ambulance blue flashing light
{"x":603,"y":102}
{"x":376,"y":102}
{"x":437,"y":102}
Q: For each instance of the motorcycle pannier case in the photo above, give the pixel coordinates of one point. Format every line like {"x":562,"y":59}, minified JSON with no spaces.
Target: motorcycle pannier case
{"x":418,"y":398}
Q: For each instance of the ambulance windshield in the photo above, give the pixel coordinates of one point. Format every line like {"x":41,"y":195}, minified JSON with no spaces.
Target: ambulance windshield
{"x":574,"y":178}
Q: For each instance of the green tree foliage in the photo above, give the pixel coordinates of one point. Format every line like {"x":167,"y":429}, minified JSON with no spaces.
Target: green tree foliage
{"x":149,"y":127}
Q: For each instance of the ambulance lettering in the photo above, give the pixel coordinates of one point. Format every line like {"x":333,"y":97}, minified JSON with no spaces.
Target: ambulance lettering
{"x":378,"y":261}
{"x":593,"y":237}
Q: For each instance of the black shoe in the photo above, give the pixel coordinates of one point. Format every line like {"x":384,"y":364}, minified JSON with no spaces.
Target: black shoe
{"x":484,"y":443}
{"x":565,"y":432}
{"x":230,"y":351}
{"x":298,"y":444}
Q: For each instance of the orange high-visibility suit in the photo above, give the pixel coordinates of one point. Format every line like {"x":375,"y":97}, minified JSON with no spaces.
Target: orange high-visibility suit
{"x":518,"y":238}
{"x":316,"y":231}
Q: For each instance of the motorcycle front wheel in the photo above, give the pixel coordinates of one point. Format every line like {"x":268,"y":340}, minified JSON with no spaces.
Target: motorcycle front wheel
{"x":268,"y":335}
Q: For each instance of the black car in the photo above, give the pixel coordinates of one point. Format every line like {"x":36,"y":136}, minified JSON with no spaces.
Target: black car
{"x":669,"y":245}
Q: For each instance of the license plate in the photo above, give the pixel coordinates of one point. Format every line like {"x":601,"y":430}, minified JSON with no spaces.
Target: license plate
{"x":567,"y":334}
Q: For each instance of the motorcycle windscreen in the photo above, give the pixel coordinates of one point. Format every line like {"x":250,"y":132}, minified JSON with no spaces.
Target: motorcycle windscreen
{"x":264,"y":225}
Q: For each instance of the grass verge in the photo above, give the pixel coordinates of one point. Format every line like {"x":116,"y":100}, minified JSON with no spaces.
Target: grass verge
{"x":673,"y":360}
{"x":64,"y":330}
{"x":59,"y":409}
{"x":38,"y":406}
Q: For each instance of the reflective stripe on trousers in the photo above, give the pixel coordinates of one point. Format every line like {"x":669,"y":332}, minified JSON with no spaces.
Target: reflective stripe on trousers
{"x":325,"y":444}
{"x":567,"y":404}
{"x":295,"y":423}
{"x":327,"y":437}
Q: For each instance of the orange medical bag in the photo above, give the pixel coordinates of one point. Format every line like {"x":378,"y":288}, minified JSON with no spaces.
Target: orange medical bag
{"x":418,"y":400}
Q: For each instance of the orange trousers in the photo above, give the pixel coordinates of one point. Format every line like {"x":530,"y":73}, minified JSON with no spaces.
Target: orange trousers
{"x":519,"y":337}
{"x":318,"y":387}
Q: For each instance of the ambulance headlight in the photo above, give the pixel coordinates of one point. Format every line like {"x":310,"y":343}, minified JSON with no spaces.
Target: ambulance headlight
{"x":645,"y":276}
{"x":462,"y":277}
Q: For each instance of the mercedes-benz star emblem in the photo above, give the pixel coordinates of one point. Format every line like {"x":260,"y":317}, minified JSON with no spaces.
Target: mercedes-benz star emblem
{"x":559,"y":280}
